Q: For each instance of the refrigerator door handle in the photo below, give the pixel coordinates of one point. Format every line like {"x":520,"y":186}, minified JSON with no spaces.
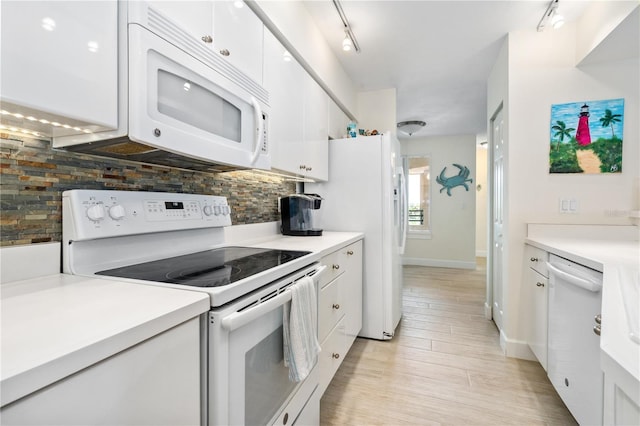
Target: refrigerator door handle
{"x":404,"y":217}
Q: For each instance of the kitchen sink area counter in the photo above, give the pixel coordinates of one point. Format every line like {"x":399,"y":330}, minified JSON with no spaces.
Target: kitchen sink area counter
{"x":60,"y":330}
{"x":614,"y":251}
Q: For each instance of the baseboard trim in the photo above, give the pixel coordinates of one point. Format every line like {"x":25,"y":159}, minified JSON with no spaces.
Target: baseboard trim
{"x":438,"y":263}
{"x":516,"y":348}
{"x":488,"y":313}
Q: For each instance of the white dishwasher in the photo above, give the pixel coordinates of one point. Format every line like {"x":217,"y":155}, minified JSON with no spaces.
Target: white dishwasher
{"x":575,"y":301}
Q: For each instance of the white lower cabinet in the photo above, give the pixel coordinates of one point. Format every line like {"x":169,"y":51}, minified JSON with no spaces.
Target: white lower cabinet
{"x":339,"y":309}
{"x":537,"y":289}
{"x":156,"y":382}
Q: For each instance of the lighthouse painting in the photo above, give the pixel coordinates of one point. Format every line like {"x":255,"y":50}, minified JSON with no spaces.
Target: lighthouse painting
{"x":586,"y":137}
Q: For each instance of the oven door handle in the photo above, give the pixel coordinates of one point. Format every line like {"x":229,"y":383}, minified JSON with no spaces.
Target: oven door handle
{"x":238,"y":319}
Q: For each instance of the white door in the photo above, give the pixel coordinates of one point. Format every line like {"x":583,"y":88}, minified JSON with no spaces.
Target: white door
{"x":497,"y":217}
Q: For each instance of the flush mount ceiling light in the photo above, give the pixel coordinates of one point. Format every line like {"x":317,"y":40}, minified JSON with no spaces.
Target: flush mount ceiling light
{"x":551,"y":16}
{"x":349,"y":38}
{"x":410,"y":127}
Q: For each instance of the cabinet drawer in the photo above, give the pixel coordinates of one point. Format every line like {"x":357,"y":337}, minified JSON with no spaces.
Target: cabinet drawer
{"x":537,"y":258}
{"x":331,"y":356}
{"x":335,"y":267}
{"x":330,"y":308}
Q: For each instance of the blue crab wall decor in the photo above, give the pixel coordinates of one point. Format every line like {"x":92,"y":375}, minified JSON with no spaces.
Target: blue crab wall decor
{"x":460,"y":179}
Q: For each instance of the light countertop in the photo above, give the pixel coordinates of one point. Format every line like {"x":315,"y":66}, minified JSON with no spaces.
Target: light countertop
{"x":619,"y":260}
{"x":56,"y":325}
{"x":320,"y":245}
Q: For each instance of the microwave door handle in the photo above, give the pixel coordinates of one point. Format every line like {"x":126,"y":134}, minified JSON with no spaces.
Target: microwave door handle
{"x":260,"y":139}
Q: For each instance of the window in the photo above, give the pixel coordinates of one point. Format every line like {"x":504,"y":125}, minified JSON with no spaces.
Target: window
{"x":419,"y":195}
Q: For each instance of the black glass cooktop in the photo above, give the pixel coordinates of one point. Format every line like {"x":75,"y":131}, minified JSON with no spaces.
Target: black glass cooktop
{"x":210,"y":268}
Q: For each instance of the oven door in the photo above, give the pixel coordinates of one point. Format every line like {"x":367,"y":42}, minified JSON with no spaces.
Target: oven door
{"x":248,"y":381}
{"x":174,"y":97}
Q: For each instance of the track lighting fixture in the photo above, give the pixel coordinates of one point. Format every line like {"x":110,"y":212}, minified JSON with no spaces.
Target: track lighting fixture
{"x":551,"y":16}
{"x":349,"y":41}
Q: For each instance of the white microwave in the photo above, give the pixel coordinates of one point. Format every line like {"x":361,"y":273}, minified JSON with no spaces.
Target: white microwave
{"x":184,"y":104}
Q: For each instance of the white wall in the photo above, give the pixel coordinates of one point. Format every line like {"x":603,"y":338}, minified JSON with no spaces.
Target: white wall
{"x":377,"y":110}
{"x":452,"y":242}
{"x":541,"y":71}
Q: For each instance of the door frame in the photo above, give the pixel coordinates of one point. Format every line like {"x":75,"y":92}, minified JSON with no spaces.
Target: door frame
{"x":488,"y":306}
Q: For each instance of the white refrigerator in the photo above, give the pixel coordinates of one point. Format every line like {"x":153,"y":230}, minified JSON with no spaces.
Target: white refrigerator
{"x":366,"y":193}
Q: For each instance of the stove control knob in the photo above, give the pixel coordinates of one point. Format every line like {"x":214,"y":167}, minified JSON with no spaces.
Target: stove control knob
{"x":117,"y":212}
{"x":217,"y":210}
{"x":226,"y":210}
{"x":208,"y":210}
{"x":96,"y":212}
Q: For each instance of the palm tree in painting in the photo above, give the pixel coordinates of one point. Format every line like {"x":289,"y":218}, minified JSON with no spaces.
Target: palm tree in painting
{"x":561,"y":131}
{"x":608,"y":120}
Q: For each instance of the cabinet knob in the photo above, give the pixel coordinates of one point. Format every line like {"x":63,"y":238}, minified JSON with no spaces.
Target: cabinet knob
{"x":597,"y":329}
{"x":207,"y":39}
{"x":534,"y":259}
{"x":336,"y":306}
{"x":309,"y":169}
{"x":335,"y":355}
{"x":598,"y":319}
{"x":539,"y":284}
{"x":336,"y":266}
{"x":350,"y":252}
{"x":225,"y":52}
{"x":302,"y":167}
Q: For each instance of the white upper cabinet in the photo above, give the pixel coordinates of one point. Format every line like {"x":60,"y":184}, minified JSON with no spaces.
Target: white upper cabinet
{"x":239,"y":37}
{"x":284,"y":80}
{"x":60,"y":61}
{"x":233,"y":32}
{"x":316,"y":123}
{"x":299,"y":114}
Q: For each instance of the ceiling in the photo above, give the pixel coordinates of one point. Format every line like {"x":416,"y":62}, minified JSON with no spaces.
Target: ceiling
{"x":437,"y":54}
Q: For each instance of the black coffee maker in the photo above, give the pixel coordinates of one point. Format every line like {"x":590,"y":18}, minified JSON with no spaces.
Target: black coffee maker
{"x":297,"y":212}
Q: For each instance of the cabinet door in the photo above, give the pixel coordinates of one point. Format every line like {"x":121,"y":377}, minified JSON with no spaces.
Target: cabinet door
{"x":316,"y":133}
{"x":238,"y":35}
{"x":352,"y":290}
{"x":155,"y":382}
{"x":61,"y":58}
{"x":538,"y":323}
{"x":195,"y":17}
{"x":283,"y":79}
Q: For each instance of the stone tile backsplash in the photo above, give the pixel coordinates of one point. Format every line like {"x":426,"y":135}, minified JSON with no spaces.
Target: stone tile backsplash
{"x":33,"y":177}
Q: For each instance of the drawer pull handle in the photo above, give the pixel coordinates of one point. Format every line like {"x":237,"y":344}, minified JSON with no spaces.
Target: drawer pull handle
{"x":534,"y":259}
{"x":335,"y":355}
{"x":597,"y":329}
{"x":598,"y":319}
{"x":336,"y":266}
{"x":336,"y":306}
{"x":540,"y":284}
{"x":225,"y":52}
{"x":207,"y":39}
{"x":350,"y":252}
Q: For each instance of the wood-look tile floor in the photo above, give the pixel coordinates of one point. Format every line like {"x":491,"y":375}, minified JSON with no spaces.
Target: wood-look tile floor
{"x":443,"y":367}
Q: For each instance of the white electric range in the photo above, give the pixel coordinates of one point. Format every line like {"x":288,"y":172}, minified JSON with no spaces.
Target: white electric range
{"x":177,"y":240}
